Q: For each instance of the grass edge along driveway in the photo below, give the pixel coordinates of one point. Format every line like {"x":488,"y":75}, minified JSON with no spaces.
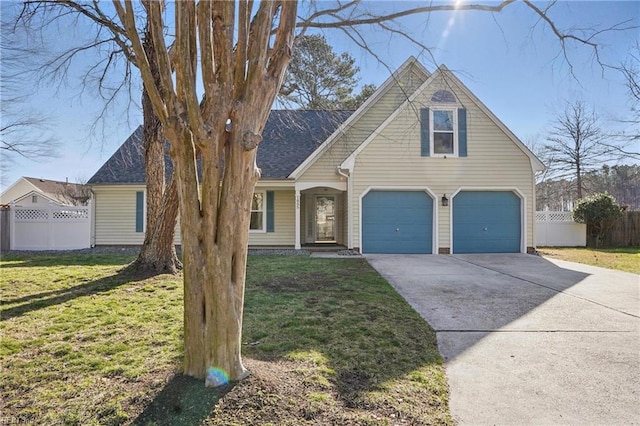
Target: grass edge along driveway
{"x":328,"y":342}
{"x":625,"y":259}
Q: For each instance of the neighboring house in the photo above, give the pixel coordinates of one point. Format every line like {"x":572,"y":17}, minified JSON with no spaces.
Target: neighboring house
{"x":421,"y":167}
{"x":29,"y":192}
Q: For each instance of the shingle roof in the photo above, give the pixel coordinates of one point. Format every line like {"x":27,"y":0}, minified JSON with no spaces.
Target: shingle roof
{"x":52,"y":187}
{"x":288,"y":138}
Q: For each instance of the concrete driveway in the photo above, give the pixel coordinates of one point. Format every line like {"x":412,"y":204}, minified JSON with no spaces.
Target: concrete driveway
{"x":527,"y":340}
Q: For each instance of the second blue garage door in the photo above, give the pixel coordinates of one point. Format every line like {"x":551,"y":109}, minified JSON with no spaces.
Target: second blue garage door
{"x":397,"y":222}
{"x":486,"y":222}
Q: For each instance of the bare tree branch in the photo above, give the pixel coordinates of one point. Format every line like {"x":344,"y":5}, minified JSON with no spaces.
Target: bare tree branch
{"x":577,"y":144}
{"x":359,"y":20}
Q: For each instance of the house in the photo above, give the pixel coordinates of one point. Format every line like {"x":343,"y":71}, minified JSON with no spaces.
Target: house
{"x":421,"y":167}
{"x":35,"y":192}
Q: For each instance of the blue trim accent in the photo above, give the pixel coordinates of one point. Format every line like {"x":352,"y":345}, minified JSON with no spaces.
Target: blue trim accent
{"x":425,"y":151}
{"x":486,"y":222}
{"x":462,"y":132}
{"x":139,"y":211}
{"x":397,"y":222}
{"x":270,"y":208}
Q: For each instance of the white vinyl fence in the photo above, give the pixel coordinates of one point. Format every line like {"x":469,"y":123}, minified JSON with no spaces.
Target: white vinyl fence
{"x":54,"y":227}
{"x":557,"y":229}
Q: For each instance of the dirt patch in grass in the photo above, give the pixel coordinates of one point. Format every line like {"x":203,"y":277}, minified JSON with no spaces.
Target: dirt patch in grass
{"x":285,"y":393}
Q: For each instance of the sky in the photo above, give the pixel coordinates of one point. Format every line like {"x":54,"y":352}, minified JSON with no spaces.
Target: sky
{"x":510,"y":60}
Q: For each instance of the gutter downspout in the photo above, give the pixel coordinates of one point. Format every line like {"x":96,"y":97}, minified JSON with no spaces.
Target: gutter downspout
{"x":349,"y":205}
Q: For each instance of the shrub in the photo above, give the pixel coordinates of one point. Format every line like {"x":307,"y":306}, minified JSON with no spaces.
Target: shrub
{"x":598,"y":211}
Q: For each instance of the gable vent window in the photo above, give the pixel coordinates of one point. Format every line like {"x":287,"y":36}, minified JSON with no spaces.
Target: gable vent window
{"x":444,"y":97}
{"x":34,"y":199}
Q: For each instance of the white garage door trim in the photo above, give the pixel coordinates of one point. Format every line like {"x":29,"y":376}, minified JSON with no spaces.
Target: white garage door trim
{"x":523,"y":211}
{"x":434,"y":231}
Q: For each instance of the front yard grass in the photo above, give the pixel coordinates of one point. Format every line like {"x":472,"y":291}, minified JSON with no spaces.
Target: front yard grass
{"x":327,"y":341}
{"x":620,"y":258}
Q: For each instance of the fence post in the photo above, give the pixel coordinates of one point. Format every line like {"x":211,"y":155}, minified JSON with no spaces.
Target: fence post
{"x":12,"y":225}
{"x":90,"y":220}
{"x":546,"y":226}
{"x":5,"y":233}
{"x":50,"y":226}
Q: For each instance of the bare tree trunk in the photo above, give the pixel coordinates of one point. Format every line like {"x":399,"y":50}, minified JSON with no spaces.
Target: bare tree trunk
{"x":579,"y":178}
{"x":224,"y":131}
{"x":158,"y":253}
{"x":215,"y":255}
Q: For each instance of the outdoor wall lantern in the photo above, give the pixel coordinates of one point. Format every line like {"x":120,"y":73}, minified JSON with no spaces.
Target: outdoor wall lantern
{"x":445,"y":200}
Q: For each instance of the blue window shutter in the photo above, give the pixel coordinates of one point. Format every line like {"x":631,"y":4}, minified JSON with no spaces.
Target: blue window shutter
{"x":139,"y":211}
{"x":270,"y":226}
{"x":424,"y":132}
{"x":462,"y":132}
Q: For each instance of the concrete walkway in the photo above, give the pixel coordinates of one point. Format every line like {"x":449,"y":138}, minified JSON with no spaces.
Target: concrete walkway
{"x":527,"y":340}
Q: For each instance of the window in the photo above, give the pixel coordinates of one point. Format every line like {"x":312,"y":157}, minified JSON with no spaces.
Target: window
{"x":443,"y":96}
{"x":443,"y":136}
{"x":257,"y":212}
{"x":443,"y":132}
{"x":140,"y":211}
{"x":34,"y":199}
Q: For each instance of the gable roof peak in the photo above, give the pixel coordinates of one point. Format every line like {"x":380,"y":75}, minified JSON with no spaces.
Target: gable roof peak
{"x":410,"y":61}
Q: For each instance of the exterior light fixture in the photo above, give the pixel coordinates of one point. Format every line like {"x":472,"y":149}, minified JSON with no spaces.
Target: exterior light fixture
{"x":445,"y":200}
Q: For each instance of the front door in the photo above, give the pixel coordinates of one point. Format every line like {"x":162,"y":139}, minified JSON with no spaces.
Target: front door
{"x":325,"y":219}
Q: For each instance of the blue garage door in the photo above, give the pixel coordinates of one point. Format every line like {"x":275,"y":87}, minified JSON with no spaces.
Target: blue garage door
{"x":486,"y":222}
{"x":397,"y":222}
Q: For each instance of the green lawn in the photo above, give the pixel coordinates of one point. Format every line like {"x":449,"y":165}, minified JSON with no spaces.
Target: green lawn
{"x":328,"y":341}
{"x":620,"y":258}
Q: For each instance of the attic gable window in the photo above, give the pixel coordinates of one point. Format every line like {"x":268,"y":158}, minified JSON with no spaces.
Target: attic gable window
{"x":443,"y":97}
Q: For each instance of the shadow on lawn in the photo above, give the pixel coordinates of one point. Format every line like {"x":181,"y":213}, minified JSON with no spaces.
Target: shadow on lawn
{"x":50,"y":298}
{"x":365,"y":330}
{"x":36,"y":259}
{"x":184,"y":400}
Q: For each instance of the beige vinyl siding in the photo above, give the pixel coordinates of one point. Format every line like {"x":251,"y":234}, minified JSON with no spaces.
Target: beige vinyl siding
{"x":22,"y":191}
{"x":18,"y":190}
{"x":284,"y":221}
{"x":42,"y":200}
{"x":393,"y":159}
{"x":115,"y":215}
{"x":324,"y":168}
{"x":115,"y":218}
